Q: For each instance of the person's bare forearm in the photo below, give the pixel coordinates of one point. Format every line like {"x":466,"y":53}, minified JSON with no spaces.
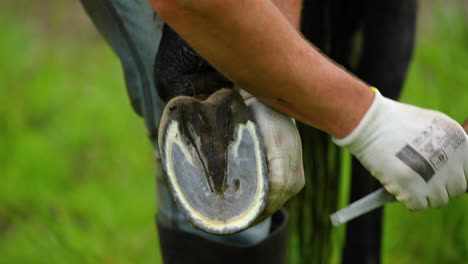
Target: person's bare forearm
{"x":254,"y":45}
{"x":291,"y":9}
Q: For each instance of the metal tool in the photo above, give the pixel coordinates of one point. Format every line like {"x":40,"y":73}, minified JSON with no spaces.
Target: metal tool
{"x":368,"y":203}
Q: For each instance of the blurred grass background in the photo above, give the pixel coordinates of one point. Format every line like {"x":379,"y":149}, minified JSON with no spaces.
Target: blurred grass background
{"x":77,"y":173}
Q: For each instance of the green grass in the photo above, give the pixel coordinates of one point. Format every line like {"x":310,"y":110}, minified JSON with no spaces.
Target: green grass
{"x":76,"y":167}
{"x":77,"y":174}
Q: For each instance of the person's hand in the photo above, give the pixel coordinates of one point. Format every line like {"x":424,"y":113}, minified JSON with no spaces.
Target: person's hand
{"x":419,"y":155}
{"x":283,"y":151}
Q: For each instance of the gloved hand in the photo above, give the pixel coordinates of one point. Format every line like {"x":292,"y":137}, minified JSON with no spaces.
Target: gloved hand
{"x":419,"y":155}
{"x":283,"y":151}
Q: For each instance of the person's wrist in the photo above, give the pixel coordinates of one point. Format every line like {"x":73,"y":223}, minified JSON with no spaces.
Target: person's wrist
{"x":352,"y":116}
{"x":363,"y":126}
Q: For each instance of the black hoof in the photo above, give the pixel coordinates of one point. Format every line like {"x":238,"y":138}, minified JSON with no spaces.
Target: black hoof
{"x":214,"y":158}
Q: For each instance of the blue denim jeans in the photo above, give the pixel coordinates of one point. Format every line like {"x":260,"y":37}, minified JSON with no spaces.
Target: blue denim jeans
{"x":133,"y":30}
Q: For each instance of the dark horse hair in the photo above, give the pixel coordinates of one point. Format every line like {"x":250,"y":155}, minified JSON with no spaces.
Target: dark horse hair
{"x":374,"y":40}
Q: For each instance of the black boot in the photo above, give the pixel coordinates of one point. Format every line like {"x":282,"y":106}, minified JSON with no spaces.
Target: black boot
{"x":178,"y":247}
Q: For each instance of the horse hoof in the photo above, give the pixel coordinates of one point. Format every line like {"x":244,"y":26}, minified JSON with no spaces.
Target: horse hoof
{"x":213,"y":155}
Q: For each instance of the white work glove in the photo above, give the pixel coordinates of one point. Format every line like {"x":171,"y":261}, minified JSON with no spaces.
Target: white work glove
{"x":283,"y":151}
{"x":419,"y":155}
